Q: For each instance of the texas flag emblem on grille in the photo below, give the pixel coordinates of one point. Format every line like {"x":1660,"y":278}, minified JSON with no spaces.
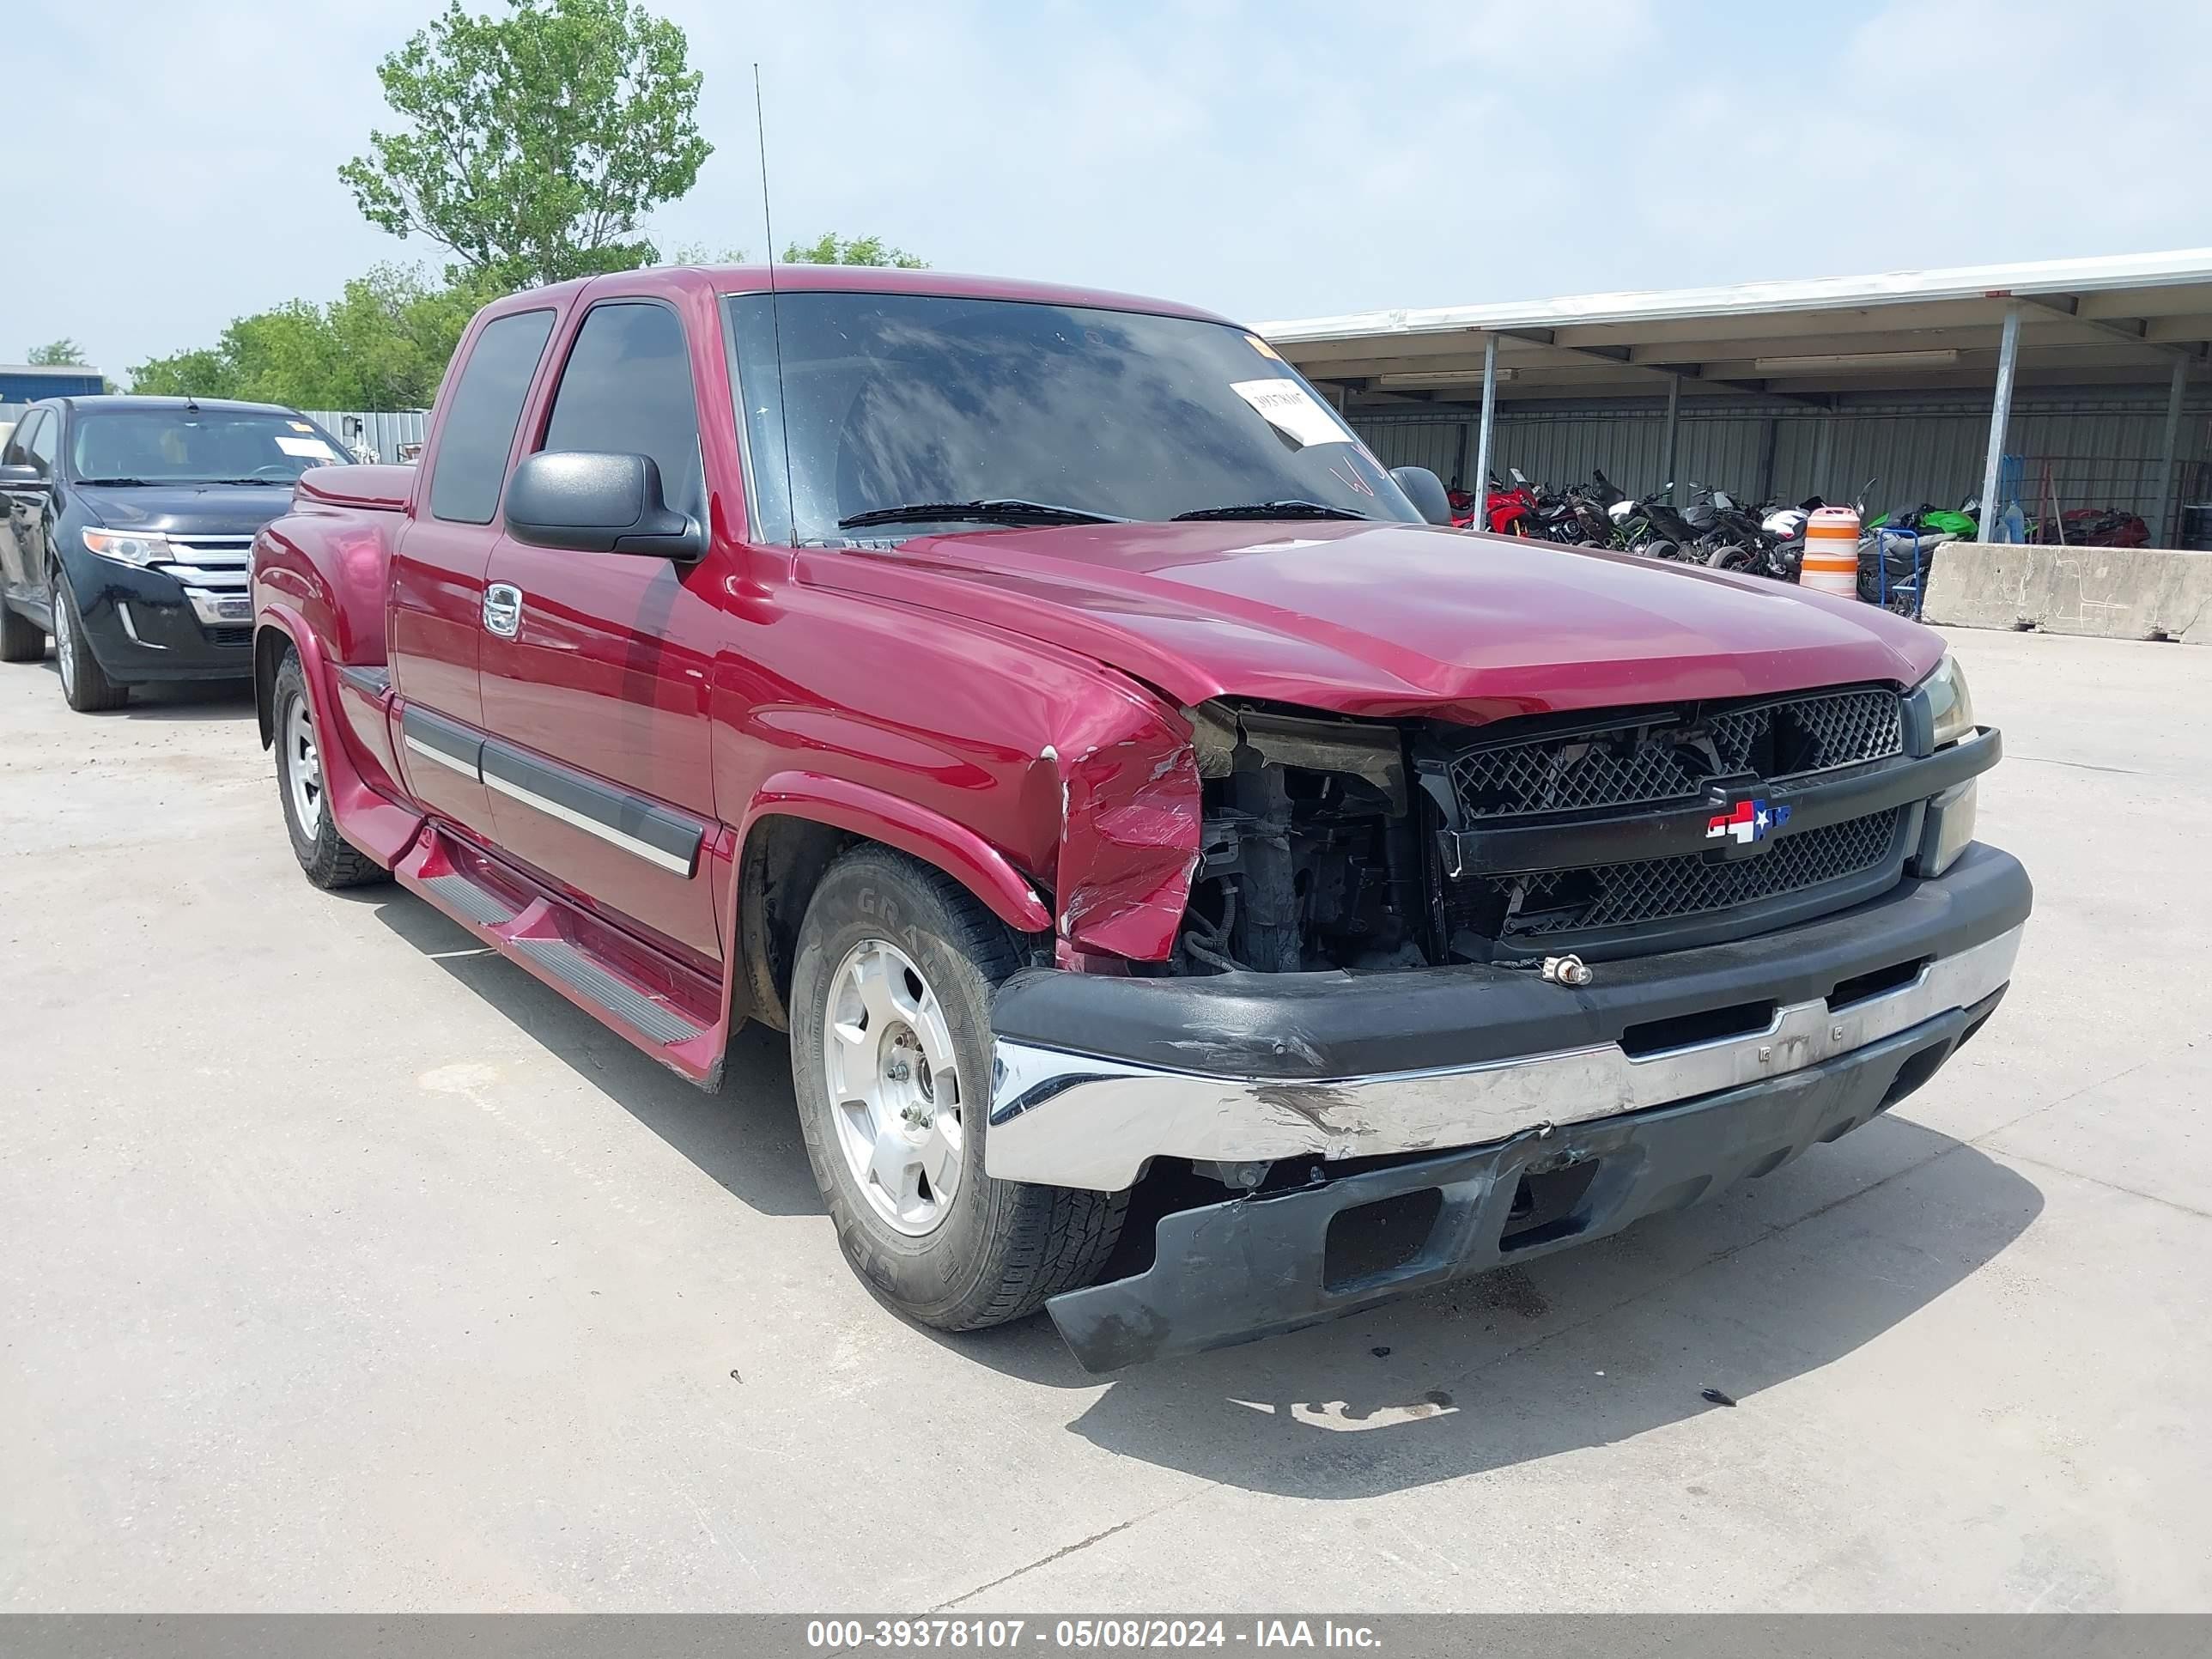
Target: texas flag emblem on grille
{"x":1750,"y":822}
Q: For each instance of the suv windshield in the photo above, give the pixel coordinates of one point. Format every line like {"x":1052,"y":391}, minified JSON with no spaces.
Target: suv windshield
{"x":895,"y":401}
{"x":198,"y":446}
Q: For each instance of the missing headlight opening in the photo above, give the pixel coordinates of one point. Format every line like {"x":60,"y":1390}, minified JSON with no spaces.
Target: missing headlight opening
{"x":1310,"y":854}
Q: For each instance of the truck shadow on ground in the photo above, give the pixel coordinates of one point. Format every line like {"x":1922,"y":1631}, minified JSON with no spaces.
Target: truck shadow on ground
{"x":1767,"y":1284}
{"x":745,"y":1138}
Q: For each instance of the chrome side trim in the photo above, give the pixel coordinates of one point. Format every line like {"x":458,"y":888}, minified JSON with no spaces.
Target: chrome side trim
{"x":467,"y":768}
{"x":130,"y":626}
{"x":590,"y":826}
{"x":1068,"y":1120}
{"x":220,"y":610}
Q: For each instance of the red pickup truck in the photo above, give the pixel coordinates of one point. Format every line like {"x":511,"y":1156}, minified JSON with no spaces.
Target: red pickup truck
{"x":1204,"y":896}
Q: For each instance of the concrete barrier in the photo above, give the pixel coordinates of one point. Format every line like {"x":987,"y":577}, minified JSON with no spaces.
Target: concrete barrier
{"x":2115,"y":593}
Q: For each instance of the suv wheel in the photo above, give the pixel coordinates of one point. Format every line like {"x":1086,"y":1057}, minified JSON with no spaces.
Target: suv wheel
{"x":85,"y":685}
{"x":890,"y":1060}
{"x":326,"y":857}
{"x":22,"y":640}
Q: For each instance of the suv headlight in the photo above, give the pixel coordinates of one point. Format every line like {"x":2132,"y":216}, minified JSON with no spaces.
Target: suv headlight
{"x":1948,"y":702}
{"x":138,"y":547}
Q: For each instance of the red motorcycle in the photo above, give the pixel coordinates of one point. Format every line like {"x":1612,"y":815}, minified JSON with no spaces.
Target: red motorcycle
{"x":1505,"y":512}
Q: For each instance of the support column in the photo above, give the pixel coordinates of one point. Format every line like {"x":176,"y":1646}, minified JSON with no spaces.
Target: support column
{"x":1667,"y":442}
{"x":2159,"y":536}
{"x":2000,"y":414}
{"x":1478,"y":486}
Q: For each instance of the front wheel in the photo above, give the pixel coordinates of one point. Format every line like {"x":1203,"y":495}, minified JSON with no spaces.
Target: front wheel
{"x":890,"y":1060}
{"x":85,"y":685}
{"x":326,"y":858}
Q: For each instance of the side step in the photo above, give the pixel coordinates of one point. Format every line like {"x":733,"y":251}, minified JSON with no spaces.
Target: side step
{"x":665,"y":1008}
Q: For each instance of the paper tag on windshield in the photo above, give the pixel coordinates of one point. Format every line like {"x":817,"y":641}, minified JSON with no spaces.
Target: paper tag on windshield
{"x":1291,"y":409}
{"x":298,"y":426}
{"x":307,"y":449}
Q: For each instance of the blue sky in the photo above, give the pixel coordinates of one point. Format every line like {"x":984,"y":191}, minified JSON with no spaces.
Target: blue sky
{"x":1270,"y":161}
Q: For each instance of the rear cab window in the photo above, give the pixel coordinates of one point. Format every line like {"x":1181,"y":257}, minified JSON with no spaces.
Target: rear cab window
{"x":470,"y":469}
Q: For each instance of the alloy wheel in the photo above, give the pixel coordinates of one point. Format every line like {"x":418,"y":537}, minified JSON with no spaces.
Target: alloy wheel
{"x":303,"y":767}
{"x":894,"y":1087}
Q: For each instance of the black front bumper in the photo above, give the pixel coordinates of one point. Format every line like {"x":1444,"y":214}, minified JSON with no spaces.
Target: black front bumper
{"x":164,"y":639}
{"x":1260,"y":1266}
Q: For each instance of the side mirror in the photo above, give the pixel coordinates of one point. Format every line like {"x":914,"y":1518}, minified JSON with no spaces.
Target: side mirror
{"x":1426,"y":492}
{"x":599,"y":503}
{"x":23,"y":476}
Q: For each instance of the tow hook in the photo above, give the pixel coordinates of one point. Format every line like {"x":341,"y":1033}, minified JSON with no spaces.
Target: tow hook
{"x":1566,"y":970}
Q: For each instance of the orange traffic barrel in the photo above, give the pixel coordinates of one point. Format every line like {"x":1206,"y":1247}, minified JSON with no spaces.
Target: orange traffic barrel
{"x":1831,"y":552}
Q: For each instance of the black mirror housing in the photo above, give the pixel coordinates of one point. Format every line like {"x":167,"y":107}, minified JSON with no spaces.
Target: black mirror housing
{"x":599,"y":503}
{"x":1426,"y":492}
{"x":23,"y":476}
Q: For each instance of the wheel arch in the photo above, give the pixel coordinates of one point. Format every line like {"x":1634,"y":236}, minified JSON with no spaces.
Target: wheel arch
{"x":798,"y":824}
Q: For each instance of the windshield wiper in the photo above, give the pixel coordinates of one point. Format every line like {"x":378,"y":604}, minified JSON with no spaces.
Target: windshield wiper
{"x":285,"y":482}
{"x":118,"y":483}
{"x":1293,"y":509}
{"x":996,"y":511}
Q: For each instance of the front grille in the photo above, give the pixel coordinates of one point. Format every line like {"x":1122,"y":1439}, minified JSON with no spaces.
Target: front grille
{"x":1672,"y":755}
{"x":1625,"y":895}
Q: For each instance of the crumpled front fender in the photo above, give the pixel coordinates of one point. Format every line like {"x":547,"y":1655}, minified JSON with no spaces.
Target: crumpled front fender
{"x":1129,"y":834}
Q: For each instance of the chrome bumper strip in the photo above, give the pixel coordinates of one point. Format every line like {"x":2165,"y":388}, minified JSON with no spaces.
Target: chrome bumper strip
{"x":1068,"y":1120}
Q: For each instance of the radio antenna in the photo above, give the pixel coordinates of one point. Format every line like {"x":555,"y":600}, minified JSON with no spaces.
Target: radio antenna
{"x":774,"y":310}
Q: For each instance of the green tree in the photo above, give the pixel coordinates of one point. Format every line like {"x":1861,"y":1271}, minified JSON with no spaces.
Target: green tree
{"x":831,"y":249}
{"x":384,"y":343}
{"x":533,"y":144}
{"x":64,"y":353}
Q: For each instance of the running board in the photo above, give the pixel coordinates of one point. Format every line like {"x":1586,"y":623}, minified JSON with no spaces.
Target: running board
{"x":658,"y":1005}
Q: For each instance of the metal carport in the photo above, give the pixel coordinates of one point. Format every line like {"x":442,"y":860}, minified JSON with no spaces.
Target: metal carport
{"x":1796,"y":380}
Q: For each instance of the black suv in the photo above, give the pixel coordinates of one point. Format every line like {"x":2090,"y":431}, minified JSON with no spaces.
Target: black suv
{"x":130,"y":524}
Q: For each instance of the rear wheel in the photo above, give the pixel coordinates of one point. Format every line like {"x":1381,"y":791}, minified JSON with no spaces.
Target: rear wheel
{"x":1730,"y":558}
{"x":22,"y":640}
{"x":85,"y":685}
{"x":326,"y":858}
{"x":890,"y":1060}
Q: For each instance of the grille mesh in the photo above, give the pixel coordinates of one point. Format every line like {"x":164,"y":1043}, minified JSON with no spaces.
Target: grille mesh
{"x":1626,"y":895}
{"x":1671,"y":759}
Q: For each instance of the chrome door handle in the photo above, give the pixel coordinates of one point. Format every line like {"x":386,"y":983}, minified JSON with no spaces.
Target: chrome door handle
{"x":502,"y":609}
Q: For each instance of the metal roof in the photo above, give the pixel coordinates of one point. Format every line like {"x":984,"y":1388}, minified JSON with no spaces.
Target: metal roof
{"x":2118,"y":319}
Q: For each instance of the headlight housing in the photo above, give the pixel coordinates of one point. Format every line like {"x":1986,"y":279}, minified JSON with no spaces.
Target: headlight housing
{"x":1949,"y":705}
{"x":1949,"y":826}
{"x":138,"y":547}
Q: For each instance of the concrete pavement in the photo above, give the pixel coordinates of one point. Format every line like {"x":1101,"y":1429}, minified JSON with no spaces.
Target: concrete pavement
{"x":342,"y":1266}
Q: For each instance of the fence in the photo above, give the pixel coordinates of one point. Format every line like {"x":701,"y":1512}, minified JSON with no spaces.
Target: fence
{"x":2100,"y":448}
{"x":383,"y":431}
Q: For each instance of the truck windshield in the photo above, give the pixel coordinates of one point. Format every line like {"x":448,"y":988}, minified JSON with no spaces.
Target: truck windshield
{"x":182,"y":445}
{"x":893,"y":402}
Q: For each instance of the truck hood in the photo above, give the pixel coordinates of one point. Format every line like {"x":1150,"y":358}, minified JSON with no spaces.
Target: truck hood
{"x":188,"y":509}
{"x":1389,"y":619}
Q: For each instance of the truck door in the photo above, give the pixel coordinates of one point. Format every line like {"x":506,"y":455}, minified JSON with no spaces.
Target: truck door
{"x":435,"y":621}
{"x":596,"y":675}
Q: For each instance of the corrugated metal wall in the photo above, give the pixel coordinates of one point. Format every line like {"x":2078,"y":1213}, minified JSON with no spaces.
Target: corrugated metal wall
{"x":383,"y":431}
{"x":2101,"y":447}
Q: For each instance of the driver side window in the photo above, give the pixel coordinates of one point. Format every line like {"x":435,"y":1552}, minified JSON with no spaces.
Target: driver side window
{"x":45,"y":443}
{"x":18,"y":452}
{"x":626,"y":390}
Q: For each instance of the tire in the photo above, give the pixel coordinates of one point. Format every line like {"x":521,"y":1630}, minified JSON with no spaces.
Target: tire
{"x":22,"y":640}
{"x":85,"y":685}
{"x":989,"y":1251}
{"x":326,"y":858}
{"x":1730,"y":558}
